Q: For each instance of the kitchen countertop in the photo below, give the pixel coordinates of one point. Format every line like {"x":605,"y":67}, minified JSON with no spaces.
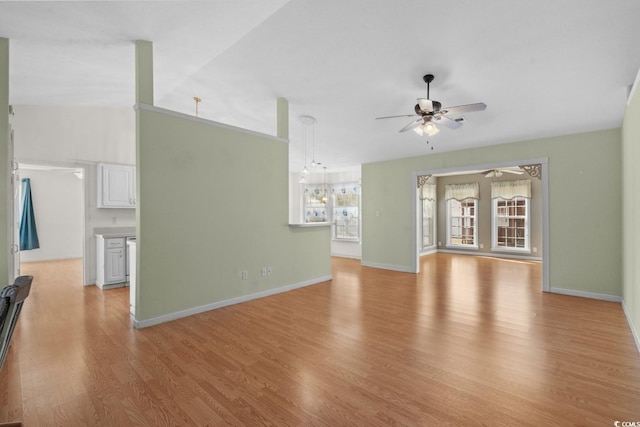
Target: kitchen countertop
{"x":115,"y":231}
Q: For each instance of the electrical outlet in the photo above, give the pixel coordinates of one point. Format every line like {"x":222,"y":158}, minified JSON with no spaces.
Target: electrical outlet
{"x":481,"y":246}
{"x":535,"y":250}
{"x":245,"y":274}
{"x":269,"y":271}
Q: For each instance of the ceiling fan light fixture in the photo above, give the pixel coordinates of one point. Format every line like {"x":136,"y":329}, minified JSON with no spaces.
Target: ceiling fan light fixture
{"x":431,"y":129}
{"x":419,"y":130}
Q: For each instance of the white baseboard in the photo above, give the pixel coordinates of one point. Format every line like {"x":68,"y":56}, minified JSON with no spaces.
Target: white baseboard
{"x":490,"y":254}
{"x":400,"y":268}
{"x":112,"y":286}
{"x":584,"y":294}
{"x":139,"y":324}
{"x":346,"y":255}
{"x":429,"y":252}
{"x":634,"y":331}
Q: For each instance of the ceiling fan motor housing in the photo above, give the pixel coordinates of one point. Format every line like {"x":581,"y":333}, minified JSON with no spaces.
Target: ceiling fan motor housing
{"x":436,"y":108}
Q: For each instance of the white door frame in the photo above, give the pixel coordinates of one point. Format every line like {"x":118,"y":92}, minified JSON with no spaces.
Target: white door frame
{"x":83,"y":168}
{"x":12,"y":204}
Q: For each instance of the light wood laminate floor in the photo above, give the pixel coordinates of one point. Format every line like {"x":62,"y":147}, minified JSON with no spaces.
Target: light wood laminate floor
{"x":469,"y":341}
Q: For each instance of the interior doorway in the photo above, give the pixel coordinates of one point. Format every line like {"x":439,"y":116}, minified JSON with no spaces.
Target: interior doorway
{"x":539,"y":173}
{"x":58,"y":194}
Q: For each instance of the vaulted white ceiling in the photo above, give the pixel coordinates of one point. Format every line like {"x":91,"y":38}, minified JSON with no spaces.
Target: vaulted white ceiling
{"x":543,"y":68}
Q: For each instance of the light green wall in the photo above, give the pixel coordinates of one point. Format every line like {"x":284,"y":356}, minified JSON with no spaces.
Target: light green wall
{"x":584,"y":206}
{"x":631,"y":210}
{"x":213,"y":201}
{"x":4,"y":160}
{"x":144,"y":72}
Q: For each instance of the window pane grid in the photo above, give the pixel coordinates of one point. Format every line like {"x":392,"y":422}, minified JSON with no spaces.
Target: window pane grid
{"x":428,"y":223}
{"x":346,"y":211}
{"x":462,"y":222}
{"x":511,"y":223}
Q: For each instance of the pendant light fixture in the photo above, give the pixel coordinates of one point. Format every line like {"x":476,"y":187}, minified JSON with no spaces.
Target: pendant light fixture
{"x":324,"y":186}
{"x":313,"y":145}
{"x":198,"y":101}
{"x":306,"y":122}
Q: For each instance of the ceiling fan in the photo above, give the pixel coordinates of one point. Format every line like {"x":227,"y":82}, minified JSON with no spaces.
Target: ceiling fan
{"x":498,"y":172}
{"x":430,"y":112}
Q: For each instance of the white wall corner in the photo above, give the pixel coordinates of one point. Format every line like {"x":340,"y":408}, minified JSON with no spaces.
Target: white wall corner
{"x":634,"y":331}
{"x":633,"y":88}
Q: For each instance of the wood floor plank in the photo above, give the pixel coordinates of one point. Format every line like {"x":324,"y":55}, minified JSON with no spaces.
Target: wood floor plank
{"x":468,"y":341}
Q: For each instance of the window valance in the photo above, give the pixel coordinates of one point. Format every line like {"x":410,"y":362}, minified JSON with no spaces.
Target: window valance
{"x":462,"y":191}
{"x":510,"y":189}
{"x":428,"y":192}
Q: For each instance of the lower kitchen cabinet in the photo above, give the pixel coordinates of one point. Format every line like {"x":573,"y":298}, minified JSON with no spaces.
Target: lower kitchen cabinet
{"x":111,"y":261}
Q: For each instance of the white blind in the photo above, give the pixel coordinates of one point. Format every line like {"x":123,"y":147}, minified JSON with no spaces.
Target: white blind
{"x":462,"y":191}
{"x":428,"y":192}
{"x":510,"y":189}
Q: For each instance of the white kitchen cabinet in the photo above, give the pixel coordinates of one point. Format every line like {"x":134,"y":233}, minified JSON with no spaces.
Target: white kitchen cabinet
{"x":116,"y":186}
{"x":111,"y":261}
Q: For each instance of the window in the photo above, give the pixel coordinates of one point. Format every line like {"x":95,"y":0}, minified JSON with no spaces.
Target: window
{"x":510,"y":215}
{"x":462,"y":214}
{"x":462,"y":227}
{"x":511,"y":224}
{"x":346,"y":211}
{"x":315,"y":203}
{"x":428,"y":223}
{"x":427,"y":197}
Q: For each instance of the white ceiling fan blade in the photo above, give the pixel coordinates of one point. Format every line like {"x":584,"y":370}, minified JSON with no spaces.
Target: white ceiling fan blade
{"x":492,"y":173}
{"x":450,"y":123}
{"x":393,"y":117}
{"x":412,"y":125}
{"x":468,"y":108}
{"x":425,"y":104}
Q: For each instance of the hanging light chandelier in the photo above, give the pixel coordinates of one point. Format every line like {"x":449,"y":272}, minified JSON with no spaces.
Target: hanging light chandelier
{"x":306,"y":121}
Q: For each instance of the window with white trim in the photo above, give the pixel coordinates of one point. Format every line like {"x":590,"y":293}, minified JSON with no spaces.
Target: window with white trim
{"x":511,"y":215}
{"x":346,"y":211}
{"x":314,"y":203}
{"x":427,"y":196}
{"x":462,"y":215}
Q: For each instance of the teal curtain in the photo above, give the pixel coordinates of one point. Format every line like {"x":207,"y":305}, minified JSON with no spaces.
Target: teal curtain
{"x":28,"y":231}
